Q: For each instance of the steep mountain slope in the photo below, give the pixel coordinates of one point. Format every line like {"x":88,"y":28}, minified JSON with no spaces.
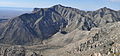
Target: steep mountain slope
{"x":102,"y":41}
{"x":3,"y":22}
{"x":28,"y":28}
{"x":43,"y":23}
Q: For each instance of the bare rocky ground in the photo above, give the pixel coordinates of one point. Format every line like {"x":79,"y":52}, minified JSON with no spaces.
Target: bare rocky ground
{"x":62,"y":31}
{"x":102,"y":41}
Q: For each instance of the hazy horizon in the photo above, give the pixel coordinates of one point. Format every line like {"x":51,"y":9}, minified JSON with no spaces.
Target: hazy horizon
{"x":12,"y":8}
{"x":79,"y":4}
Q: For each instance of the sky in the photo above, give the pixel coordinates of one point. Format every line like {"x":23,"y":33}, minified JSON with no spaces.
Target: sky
{"x":80,"y":4}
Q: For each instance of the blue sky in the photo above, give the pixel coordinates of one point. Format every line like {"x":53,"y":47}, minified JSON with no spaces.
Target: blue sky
{"x":80,"y":4}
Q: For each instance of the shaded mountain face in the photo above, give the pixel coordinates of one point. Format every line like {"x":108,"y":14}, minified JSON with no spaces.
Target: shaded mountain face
{"x":3,"y":22}
{"x":43,"y":23}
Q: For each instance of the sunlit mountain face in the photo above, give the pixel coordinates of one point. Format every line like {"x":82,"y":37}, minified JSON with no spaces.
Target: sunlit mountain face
{"x":11,"y":12}
{"x":59,"y":27}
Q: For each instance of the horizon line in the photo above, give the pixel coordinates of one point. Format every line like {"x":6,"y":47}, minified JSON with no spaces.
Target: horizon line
{"x":57,"y":4}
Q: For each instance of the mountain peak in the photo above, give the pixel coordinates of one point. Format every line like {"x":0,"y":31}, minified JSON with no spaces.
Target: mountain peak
{"x":58,"y":5}
{"x":55,"y":6}
{"x":36,"y":9}
{"x":105,"y":9}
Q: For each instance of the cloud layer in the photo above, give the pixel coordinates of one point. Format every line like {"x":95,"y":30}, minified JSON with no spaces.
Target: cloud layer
{"x":115,"y":0}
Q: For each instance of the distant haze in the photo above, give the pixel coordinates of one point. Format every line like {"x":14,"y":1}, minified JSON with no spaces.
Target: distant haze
{"x":80,"y":4}
{"x":10,"y":12}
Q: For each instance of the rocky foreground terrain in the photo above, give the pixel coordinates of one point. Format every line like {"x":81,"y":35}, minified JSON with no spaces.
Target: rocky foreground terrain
{"x":62,"y":31}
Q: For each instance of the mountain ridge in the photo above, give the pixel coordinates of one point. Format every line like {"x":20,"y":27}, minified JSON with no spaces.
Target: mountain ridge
{"x":43,"y":23}
{"x":61,"y":31}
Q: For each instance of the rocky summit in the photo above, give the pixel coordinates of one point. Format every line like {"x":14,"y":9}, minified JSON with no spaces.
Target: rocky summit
{"x":61,"y":31}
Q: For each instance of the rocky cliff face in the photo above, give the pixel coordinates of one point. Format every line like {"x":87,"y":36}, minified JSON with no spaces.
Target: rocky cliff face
{"x":61,"y":31}
{"x":16,"y":51}
{"x":43,"y":23}
{"x":102,"y":41}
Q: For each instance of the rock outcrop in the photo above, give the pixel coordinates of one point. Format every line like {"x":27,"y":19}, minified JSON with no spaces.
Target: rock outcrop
{"x":43,"y":23}
{"x":61,"y":31}
{"x":102,"y":41}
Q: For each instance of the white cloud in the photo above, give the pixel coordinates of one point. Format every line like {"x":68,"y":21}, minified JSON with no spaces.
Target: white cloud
{"x":114,"y":0}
